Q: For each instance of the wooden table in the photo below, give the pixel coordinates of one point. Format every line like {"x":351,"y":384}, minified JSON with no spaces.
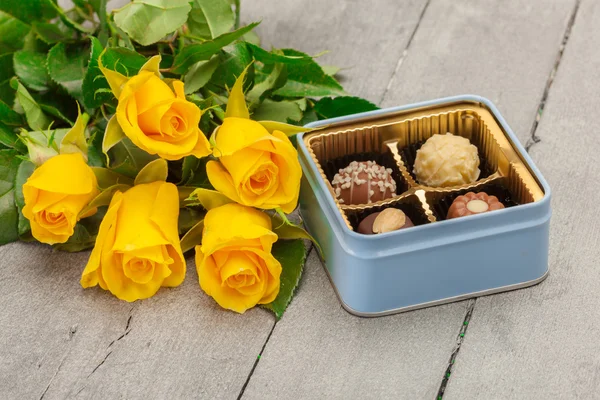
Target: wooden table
{"x":539,"y":61}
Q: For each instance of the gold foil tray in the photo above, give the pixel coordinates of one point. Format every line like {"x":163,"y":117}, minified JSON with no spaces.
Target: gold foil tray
{"x":391,"y":135}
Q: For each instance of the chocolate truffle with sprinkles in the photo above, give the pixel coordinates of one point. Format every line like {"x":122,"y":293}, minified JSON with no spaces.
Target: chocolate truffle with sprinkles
{"x":363,"y":182}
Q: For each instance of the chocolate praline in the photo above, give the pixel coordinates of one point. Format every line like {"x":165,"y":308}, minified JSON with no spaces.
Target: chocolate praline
{"x":446,"y":160}
{"x":390,"y":216}
{"x":363,"y":182}
{"x":473,"y":203}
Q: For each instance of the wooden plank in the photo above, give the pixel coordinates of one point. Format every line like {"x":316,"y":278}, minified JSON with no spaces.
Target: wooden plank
{"x":60,"y":341}
{"x":365,"y":38}
{"x":180,"y":344}
{"x":319,"y":351}
{"x":542,"y":342}
{"x":502,"y":50}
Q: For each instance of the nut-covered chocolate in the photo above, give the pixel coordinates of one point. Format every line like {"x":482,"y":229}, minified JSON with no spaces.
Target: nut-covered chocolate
{"x":363,"y":182}
{"x":388,"y":220}
{"x":473,"y":203}
{"x":446,"y":160}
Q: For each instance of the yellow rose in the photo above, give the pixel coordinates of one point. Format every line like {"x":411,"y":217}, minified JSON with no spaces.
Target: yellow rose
{"x":137,"y":249}
{"x":55,"y":194}
{"x":235,"y":265}
{"x":159,"y":121}
{"x":255,"y":168}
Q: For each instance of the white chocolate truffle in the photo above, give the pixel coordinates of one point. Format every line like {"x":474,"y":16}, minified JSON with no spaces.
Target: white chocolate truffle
{"x":446,"y":160}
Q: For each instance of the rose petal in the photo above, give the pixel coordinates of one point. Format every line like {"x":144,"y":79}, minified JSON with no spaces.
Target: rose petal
{"x":81,"y":179}
{"x":221,"y":180}
{"x":135,"y":227}
{"x":238,"y":133}
{"x":91,"y":274}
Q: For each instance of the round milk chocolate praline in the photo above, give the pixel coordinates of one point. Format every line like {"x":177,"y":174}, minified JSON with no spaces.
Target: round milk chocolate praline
{"x":363,"y":182}
{"x":473,"y":203}
{"x":446,"y":160}
{"x":390,"y":219}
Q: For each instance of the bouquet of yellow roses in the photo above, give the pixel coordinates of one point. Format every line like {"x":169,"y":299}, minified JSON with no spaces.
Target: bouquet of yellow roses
{"x":187,"y":149}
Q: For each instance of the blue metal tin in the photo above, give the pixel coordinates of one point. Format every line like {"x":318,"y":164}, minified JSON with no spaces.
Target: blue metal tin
{"x":433,"y":263}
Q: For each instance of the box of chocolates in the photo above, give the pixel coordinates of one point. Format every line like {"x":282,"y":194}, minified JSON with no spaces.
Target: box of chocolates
{"x":424,"y":204}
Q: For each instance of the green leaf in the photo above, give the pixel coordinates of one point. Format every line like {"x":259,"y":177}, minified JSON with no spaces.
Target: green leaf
{"x":95,"y":88}
{"x":194,"y":172}
{"x":208,"y":199}
{"x":274,"y":81}
{"x":331,"y":70}
{"x":32,"y":42}
{"x":30,"y":67}
{"x":10,"y":139}
{"x":199,"y":74}
{"x":340,"y":106}
{"x":100,"y":8}
{"x":184,"y":196}
{"x":7,"y":94}
{"x":232,"y":62}
{"x":37,"y":120}
{"x":9,"y":215}
{"x":308,"y":79}
{"x":277,"y":56}
{"x":302,"y":103}
{"x":219,"y":112}
{"x":207,"y":122}
{"x":184,"y":193}
{"x":29,"y":10}
{"x":210,"y":18}
{"x":122,"y":60}
{"x":128,"y":159}
{"x":252,"y":38}
{"x":309,"y":116}
{"x":104,"y":198}
{"x":24,"y":171}
{"x":122,"y":38}
{"x":52,"y":33}
{"x":203,"y":51}
{"x":93,"y":79}
{"x":282,"y":111}
{"x":12,"y":33}
{"x":95,"y":156}
{"x":85,"y":233}
{"x":107,"y":178}
{"x":292,"y":255}
{"x":193,"y":237}
{"x":8,"y":116}
{"x":188,"y":217}
{"x":66,"y":66}
{"x":236,"y":3}
{"x":287,"y":230}
{"x":148,"y":21}
{"x":113,"y":75}
{"x":69,"y":22}
{"x":80,"y":3}
{"x":56,"y":109}
{"x":154,"y":171}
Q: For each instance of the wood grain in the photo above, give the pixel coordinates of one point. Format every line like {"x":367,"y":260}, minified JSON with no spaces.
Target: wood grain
{"x":542,"y":342}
